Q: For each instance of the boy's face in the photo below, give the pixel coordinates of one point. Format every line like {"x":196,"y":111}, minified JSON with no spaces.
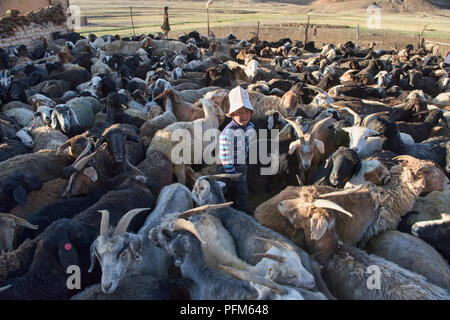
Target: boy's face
{"x":242,"y":116}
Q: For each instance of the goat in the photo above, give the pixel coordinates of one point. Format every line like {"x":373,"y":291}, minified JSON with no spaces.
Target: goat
{"x":8,"y":223}
{"x":142,"y":257}
{"x":313,"y":147}
{"x":243,"y":228}
{"x":318,"y":223}
{"x":362,"y":139}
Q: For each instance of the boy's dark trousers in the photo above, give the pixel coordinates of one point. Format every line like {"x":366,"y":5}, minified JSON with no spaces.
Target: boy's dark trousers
{"x":237,"y":191}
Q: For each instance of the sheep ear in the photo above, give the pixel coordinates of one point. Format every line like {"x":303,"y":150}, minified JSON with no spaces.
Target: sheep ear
{"x":318,"y":226}
{"x":293,"y":146}
{"x":320,"y":145}
{"x":91,"y":173}
{"x":20,"y":195}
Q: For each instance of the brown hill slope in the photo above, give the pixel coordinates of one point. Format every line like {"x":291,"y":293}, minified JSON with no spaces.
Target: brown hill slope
{"x":397,"y":5}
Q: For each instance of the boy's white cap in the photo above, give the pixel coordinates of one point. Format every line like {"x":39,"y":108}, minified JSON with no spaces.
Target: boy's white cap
{"x":239,"y":98}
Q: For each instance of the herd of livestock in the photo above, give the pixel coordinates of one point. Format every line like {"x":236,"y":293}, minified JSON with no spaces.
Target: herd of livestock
{"x":93,"y":207}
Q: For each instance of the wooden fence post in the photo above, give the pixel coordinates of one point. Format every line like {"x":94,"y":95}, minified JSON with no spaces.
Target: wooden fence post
{"x":306,"y":29}
{"x":132,"y":22}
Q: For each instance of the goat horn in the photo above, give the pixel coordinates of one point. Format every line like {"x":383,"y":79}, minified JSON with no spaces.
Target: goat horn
{"x":295,"y":125}
{"x":104,"y":224}
{"x":85,"y":151}
{"x":246,"y":276}
{"x":320,"y":203}
{"x":84,"y":161}
{"x":123,"y":223}
{"x":224,"y":176}
{"x":273,"y":257}
{"x":5,"y":288}
{"x":62,"y":147}
{"x":405,"y":157}
{"x":22,"y":222}
{"x":299,"y":180}
{"x":341,"y":192}
{"x":356,"y":117}
{"x":139,"y":171}
{"x":371,"y":116}
{"x":317,"y":89}
{"x":316,"y":129}
{"x":190,"y":212}
{"x":182,"y":224}
{"x":276,"y":243}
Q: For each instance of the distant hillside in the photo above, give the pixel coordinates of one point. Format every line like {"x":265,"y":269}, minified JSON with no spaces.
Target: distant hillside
{"x":398,"y":5}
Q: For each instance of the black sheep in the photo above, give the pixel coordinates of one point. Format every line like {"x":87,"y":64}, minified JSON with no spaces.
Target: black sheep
{"x":60,"y":246}
{"x":64,"y":208}
{"x":74,"y":77}
{"x":14,"y":189}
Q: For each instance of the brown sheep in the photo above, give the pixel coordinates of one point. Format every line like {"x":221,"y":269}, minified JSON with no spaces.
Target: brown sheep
{"x":50,"y":192}
{"x":184,"y":111}
{"x":45,"y":164}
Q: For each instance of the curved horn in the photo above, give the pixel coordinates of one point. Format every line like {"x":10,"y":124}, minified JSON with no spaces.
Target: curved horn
{"x":84,"y":161}
{"x":181,"y":224}
{"x":295,"y":125}
{"x":5,"y":288}
{"x":371,"y":116}
{"x":123,"y":223}
{"x":274,"y":257}
{"x":62,"y":147}
{"x":356,"y":117}
{"x":104,"y":224}
{"x":139,"y":171}
{"x":317,"y":89}
{"x":246,"y":276}
{"x":224,"y":176}
{"x":85,"y":151}
{"x":320,"y":203}
{"x":22,"y":222}
{"x":341,"y":192}
{"x":316,"y":129}
{"x":405,"y":157}
{"x":190,"y":212}
{"x":276,"y":243}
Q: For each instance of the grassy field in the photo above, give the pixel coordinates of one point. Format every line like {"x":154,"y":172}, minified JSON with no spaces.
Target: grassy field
{"x":277,"y":20}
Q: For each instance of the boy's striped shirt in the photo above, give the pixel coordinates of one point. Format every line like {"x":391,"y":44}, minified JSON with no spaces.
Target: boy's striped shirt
{"x":230,"y":151}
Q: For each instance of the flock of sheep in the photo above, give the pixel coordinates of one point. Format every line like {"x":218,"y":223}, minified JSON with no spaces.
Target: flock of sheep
{"x":361,"y":195}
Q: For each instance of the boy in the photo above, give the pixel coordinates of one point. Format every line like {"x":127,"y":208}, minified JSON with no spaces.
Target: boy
{"x":234,"y":147}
